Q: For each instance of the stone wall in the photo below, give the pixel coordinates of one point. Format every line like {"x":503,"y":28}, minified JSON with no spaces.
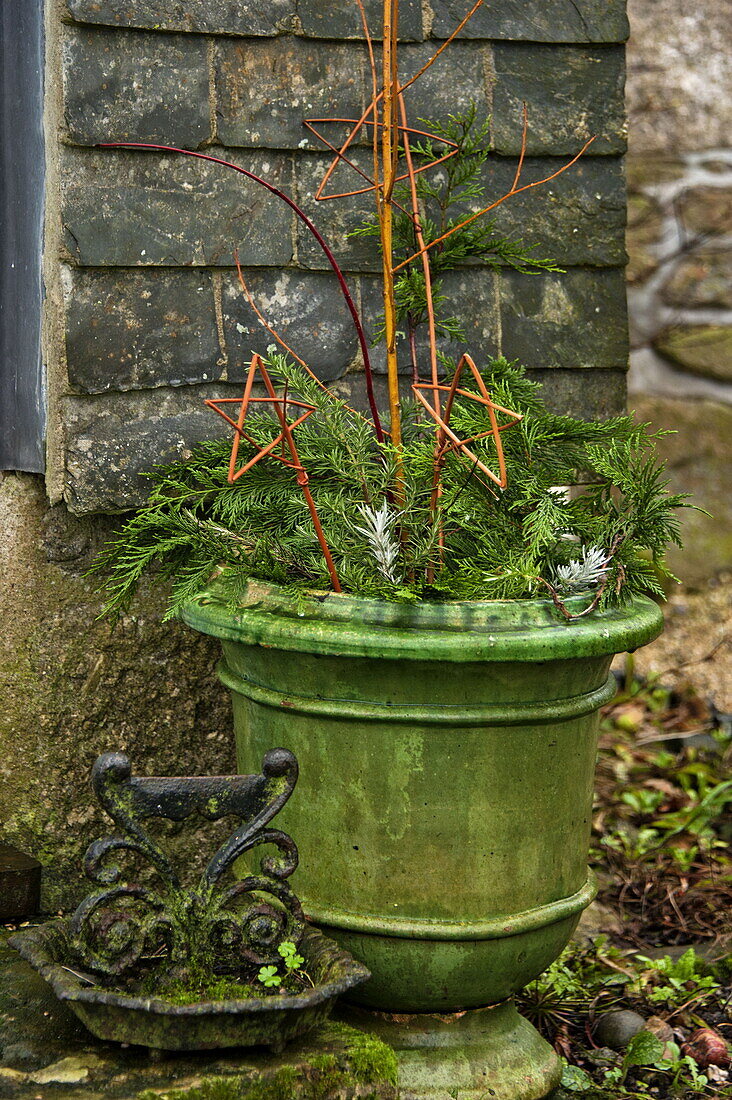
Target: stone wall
{"x":149,"y":319}
{"x":680,"y":247}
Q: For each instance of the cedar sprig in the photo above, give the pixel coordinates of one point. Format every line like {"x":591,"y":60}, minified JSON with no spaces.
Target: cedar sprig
{"x":480,"y":543}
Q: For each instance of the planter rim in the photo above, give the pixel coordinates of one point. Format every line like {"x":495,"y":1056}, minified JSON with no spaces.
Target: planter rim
{"x":332,"y":624}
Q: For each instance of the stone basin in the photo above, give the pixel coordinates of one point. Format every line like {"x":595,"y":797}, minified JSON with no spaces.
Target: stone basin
{"x":154,"y":1022}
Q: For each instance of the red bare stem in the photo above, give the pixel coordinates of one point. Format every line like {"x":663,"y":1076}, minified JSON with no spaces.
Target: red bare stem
{"x":302,"y":478}
{"x":312,"y":229}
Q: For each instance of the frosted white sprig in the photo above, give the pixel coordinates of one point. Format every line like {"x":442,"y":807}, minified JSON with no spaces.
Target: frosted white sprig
{"x":379,"y":532}
{"x":585,"y":572}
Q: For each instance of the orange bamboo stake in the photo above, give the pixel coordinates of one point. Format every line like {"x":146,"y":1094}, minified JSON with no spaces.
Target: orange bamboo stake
{"x":389,"y":153}
{"x":417,"y":219}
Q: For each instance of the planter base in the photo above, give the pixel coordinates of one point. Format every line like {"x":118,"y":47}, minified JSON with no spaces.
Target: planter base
{"x":484,"y":1053}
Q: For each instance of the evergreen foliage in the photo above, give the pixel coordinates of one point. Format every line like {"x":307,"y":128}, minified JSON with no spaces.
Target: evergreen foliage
{"x":496,"y":544}
{"x":401,"y":523}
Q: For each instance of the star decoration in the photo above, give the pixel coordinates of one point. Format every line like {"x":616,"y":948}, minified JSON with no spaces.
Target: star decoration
{"x":340,"y":157}
{"x":442,"y":418}
{"x":370,"y":115}
{"x":285,"y":437}
{"x":280,"y":406}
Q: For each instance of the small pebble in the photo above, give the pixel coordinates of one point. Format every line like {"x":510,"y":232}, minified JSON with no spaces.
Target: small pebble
{"x":615,"y":1029}
{"x":660,"y":1029}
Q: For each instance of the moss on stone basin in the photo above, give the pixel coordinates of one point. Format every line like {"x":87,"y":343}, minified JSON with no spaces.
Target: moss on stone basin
{"x":46,"y":1051}
{"x":204,"y":1025}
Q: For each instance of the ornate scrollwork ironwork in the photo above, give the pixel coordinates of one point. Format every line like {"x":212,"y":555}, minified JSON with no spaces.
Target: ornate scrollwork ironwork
{"x":208,"y":926}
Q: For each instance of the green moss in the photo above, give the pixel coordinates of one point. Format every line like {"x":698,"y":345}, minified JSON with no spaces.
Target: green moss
{"x":324,"y":1063}
{"x":324,"y":1077}
{"x":364,"y":1060}
{"x":200,"y":984}
{"x":281,"y":1085}
{"x":372,"y":1061}
{"x":222,"y":989}
{"x":42,"y":832}
{"x":181,"y":993}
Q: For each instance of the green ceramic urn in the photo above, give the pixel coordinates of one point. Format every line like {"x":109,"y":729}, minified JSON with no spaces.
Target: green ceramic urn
{"x":446,"y":759}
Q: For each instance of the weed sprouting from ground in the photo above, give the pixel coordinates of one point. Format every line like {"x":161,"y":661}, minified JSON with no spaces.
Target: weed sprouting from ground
{"x":661,"y":834}
{"x":663,"y":819}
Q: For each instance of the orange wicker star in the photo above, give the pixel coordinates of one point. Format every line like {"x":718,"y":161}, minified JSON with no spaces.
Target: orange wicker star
{"x":442,"y":419}
{"x":369,"y":118}
{"x":340,"y":157}
{"x":280,"y":405}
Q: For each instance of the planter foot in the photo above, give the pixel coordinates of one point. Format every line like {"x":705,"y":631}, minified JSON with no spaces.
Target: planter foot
{"x":483,"y":1054}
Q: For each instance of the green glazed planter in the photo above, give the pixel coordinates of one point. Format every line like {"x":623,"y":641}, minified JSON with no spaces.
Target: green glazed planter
{"x":446,"y":759}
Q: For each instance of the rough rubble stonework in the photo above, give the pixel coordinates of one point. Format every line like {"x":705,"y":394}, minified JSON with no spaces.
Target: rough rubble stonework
{"x":680,"y":198}
{"x":680,"y":70}
{"x":680,"y":247}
